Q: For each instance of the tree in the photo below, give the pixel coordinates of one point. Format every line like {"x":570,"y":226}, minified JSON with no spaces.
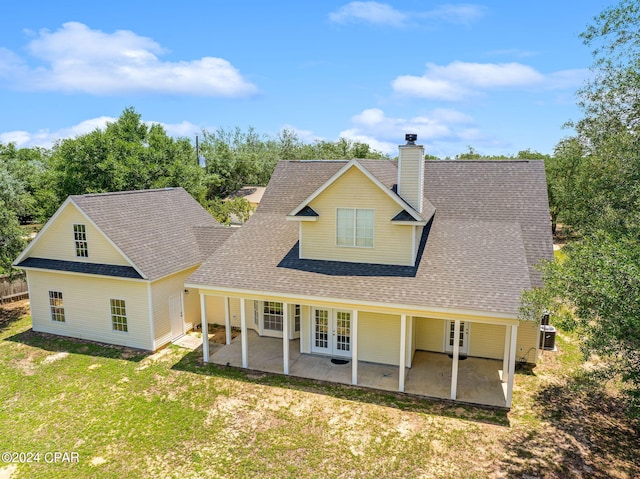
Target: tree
{"x":12,"y":197}
{"x":126,"y":155}
{"x":227,"y":211}
{"x":564,"y":176}
{"x":235,"y":158}
{"x":596,"y":290}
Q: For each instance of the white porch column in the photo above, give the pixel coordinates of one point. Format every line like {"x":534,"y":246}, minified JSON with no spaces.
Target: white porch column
{"x":505,"y":355}
{"x":205,"y":329}
{"x":243,"y":333}
{"x":403,"y":352}
{"x":285,"y":338}
{"x":410,"y":339}
{"x":456,"y":355}
{"x":227,"y":319}
{"x":354,"y":347}
{"x":512,"y":363}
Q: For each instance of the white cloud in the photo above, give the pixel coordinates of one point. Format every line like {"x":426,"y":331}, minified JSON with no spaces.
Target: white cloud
{"x":385,"y":133}
{"x":377,"y":13}
{"x":459,"y":80}
{"x":461,"y":13}
{"x":369,"y":12}
{"x":45,"y":138}
{"x":76,"y":58}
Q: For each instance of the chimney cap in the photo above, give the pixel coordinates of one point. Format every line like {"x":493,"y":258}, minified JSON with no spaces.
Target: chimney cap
{"x":411,"y":138}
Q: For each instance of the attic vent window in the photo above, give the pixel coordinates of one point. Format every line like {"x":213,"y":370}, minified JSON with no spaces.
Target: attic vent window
{"x":80,"y":238}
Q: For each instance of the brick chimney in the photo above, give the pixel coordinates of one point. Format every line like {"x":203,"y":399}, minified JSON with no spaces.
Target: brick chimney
{"x":411,"y":172}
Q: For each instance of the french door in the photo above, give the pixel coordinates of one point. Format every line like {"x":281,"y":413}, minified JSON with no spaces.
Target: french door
{"x":463,"y":338}
{"x":331,"y":332}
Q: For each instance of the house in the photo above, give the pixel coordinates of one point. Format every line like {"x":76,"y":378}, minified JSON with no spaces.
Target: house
{"x":395,"y":265}
{"x":253,"y":194}
{"x":111,"y":267}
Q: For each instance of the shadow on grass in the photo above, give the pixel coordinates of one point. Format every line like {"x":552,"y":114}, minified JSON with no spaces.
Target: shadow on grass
{"x":587,"y":434}
{"x":192,"y":362}
{"x":54,"y":343}
{"x":11,"y":313}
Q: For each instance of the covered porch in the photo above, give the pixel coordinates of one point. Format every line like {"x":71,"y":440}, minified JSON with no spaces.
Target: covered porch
{"x":451,"y":376}
{"x":479,"y":380}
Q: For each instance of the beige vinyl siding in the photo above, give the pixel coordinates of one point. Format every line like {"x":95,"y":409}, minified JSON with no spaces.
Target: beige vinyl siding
{"x":430,"y":334}
{"x":216,"y":311}
{"x":416,"y":244}
{"x":527,"y":343}
{"x":161,"y":291}
{"x":486,"y":340}
{"x":391,"y":242}
{"x":414,"y":322}
{"x":87,"y":308}
{"x":410,"y":171}
{"x":191,"y":307}
{"x":57,"y":241}
{"x":379,"y":338}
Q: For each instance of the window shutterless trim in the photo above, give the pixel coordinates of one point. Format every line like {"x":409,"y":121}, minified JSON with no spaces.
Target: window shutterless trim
{"x":354,"y":228}
{"x":80,"y":240}
{"x":56,"y":306}
{"x":119,"y":315}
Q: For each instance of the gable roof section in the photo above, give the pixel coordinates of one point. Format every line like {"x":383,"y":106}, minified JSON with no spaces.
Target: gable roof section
{"x":159,"y":232}
{"x":155,"y":229}
{"x":477,"y":254}
{"x":374,"y":179}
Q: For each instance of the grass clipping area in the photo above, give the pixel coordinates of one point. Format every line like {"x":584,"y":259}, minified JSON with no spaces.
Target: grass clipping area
{"x":128,"y":414}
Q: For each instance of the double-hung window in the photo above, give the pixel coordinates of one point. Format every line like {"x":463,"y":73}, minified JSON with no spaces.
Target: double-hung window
{"x":119,"y":315}
{"x":56,"y":306}
{"x":273,"y":315}
{"x":354,"y":227}
{"x":80,"y":239}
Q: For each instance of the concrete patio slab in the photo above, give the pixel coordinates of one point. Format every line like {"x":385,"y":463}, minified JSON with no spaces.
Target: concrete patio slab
{"x":430,"y":375}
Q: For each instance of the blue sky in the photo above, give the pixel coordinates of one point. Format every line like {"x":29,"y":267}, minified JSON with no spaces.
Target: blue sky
{"x":497,"y":75}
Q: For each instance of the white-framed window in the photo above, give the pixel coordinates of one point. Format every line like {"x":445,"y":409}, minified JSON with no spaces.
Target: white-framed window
{"x":354,"y":227}
{"x":256,"y":312}
{"x":297,"y":315}
{"x":119,"y":315}
{"x":273,"y":315}
{"x":56,"y":305}
{"x":80,"y":239}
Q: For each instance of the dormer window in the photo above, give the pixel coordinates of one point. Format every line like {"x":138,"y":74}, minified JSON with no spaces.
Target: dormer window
{"x":80,"y":239}
{"x":354,"y":227}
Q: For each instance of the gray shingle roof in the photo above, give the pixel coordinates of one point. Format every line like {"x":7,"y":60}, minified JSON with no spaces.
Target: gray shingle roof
{"x":490,"y":227}
{"x":161,"y":231}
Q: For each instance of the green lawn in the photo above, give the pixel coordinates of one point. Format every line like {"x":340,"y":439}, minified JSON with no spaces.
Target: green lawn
{"x":127,"y":414}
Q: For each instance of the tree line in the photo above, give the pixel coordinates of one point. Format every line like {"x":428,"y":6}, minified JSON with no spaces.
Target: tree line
{"x":594,"y":190}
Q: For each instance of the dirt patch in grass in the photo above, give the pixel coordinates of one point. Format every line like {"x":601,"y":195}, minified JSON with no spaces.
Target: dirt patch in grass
{"x":218,"y":334}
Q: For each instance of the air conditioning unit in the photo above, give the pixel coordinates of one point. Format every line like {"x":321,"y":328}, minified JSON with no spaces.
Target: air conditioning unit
{"x":547,"y":337}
